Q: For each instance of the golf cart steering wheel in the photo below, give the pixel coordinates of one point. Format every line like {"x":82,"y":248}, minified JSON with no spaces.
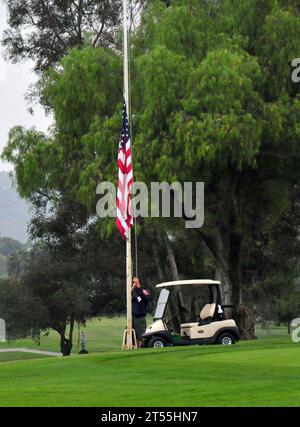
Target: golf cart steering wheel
{"x":180,"y":310}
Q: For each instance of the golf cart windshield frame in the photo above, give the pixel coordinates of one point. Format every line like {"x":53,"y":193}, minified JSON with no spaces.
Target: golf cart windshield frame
{"x":161,"y":304}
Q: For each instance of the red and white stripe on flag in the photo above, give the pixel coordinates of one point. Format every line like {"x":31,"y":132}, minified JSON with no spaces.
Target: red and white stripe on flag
{"x":124,"y":218}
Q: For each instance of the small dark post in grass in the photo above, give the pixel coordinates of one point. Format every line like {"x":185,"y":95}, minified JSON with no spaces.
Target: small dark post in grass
{"x":83,"y":343}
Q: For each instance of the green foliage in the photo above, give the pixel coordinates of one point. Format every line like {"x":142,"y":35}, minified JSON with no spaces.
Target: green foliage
{"x":83,"y":98}
{"x":50,"y":292}
{"x":88,"y":85}
{"x":279,"y":45}
{"x":29,"y":151}
{"x":21,"y":310}
{"x":275,"y":299}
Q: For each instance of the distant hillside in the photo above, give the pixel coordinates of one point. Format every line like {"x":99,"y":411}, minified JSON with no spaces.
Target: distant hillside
{"x":14,"y":212}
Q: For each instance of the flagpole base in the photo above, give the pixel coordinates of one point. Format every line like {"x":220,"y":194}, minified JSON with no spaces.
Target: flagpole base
{"x":133,"y":344}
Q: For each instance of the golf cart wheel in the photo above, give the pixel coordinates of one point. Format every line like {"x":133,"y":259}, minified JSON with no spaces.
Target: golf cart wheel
{"x":226,"y":339}
{"x":156,"y":342}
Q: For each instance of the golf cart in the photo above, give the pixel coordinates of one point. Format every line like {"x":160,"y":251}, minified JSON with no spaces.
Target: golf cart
{"x":206,"y":324}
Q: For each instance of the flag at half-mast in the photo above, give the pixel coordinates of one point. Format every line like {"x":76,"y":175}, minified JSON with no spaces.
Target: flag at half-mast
{"x":124,"y":218}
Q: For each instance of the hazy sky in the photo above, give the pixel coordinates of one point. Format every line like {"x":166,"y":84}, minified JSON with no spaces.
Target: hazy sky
{"x":14,"y":82}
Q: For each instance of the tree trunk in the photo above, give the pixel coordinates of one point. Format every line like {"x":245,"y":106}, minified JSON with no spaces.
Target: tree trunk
{"x":225,"y":247}
{"x":159,"y":268}
{"x":223,"y":237}
{"x":173,"y":325}
{"x":66,"y":343}
{"x":72,"y":323}
{"x":226,"y":291}
{"x":162,"y":242}
{"x":246,"y":322}
{"x":65,"y":347}
{"x":175,"y":276}
{"x":231,"y":295}
{"x":171,"y":258}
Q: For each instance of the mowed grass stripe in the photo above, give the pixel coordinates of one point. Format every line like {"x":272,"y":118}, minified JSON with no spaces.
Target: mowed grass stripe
{"x":243,"y":375}
{"x":14,"y":356}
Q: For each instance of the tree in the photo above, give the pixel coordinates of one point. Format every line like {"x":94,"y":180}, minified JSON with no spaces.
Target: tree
{"x":57,"y":291}
{"x":271,"y":268}
{"x":69,"y":281}
{"x":43,"y":30}
{"x":214,"y":112}
{"x":22,"y":311}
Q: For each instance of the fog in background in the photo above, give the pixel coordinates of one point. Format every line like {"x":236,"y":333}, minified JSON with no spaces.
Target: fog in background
{"x":14,"y":82}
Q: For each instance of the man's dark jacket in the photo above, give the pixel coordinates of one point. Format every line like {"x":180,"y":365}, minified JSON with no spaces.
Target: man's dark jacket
{"x":139,"y":303}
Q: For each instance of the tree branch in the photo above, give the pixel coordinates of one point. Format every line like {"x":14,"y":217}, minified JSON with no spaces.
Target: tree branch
{"x":79,"y":21}
{"x":99,"y":34}
{"x":52,"y":23}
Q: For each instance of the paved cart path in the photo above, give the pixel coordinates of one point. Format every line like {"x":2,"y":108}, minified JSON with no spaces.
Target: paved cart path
{"x":29,"y":350}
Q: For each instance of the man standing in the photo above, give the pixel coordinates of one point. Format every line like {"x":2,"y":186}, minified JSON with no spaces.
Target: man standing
{"x":140,"y":299}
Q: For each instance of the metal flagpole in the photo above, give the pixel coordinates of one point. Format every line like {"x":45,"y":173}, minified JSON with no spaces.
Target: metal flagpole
{"x":129,"y":344}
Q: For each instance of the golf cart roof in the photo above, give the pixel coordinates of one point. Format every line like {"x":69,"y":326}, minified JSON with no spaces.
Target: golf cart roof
{"x":188,"y":282}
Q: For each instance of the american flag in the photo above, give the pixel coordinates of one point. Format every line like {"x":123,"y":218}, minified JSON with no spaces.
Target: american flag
{"x":124,"y":218}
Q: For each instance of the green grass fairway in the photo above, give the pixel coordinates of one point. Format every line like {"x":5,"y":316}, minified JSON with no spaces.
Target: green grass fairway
{"x":8,"y":357}
{"x":105,"y":335}
{"x":265,"y":372}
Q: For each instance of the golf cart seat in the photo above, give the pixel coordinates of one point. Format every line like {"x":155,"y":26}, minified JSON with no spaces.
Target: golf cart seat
{"x":208,"y":311}
{"x":206,"y":316}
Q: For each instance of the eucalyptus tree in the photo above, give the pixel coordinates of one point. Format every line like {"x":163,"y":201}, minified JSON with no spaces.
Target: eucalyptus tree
{"x":44,"y":30}
{"x":216,"y":103}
